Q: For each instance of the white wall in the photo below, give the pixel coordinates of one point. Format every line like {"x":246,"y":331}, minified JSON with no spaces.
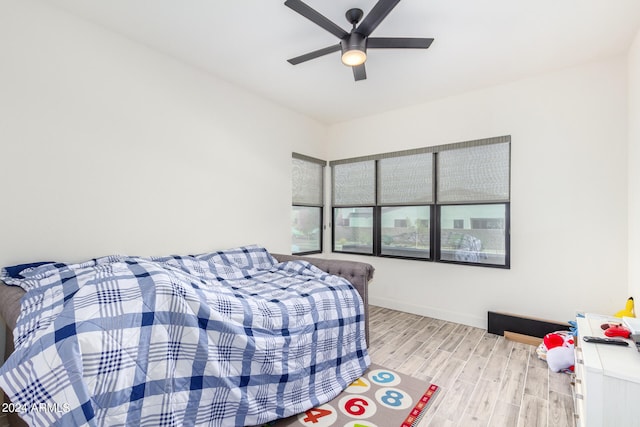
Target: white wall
{"x":109,"y":147}
{"x":569,"y":196}
{"x":634,"y":170}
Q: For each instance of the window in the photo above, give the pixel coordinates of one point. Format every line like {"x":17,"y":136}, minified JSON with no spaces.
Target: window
{"x":407,"y":237}
{"x":353,"y":230}
{"x":446,"y":203}
{"x":473,"y":184}
{"x":482,"y":245}
{"x":307,"y":204}
{"x":354,"y":194}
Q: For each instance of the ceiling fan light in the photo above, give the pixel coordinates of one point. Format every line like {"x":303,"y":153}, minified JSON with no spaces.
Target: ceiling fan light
{"x":354,"y":57}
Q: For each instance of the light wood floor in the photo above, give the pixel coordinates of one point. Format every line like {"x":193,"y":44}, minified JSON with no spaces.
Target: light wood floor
{"x":485,"y":379}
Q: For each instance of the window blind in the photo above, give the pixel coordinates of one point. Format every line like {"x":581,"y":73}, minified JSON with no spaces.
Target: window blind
{"x":307,"y":179}
{"x":354,"y":184}
{"x":474,"y":174}
{"x":406,"y":180}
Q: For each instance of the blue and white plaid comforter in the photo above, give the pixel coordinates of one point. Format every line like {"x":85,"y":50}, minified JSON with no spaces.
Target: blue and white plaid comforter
{"x":228,"y":338}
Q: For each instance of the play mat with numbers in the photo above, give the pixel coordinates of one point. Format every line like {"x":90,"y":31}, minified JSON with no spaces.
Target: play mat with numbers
{"x":380,"y":398}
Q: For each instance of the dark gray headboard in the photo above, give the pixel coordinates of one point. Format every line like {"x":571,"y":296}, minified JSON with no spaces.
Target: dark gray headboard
{"x":358,"y":273}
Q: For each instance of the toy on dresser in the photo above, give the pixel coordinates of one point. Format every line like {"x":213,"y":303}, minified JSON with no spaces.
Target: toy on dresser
{"x":615,"y":330}
{"x":628,"y":310}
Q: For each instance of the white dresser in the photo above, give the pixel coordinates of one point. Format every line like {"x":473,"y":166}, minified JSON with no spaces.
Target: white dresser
{"x":607,"y":379}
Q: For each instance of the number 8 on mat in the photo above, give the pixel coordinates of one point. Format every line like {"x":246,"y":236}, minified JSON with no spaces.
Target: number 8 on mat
{"x":393,"y":398}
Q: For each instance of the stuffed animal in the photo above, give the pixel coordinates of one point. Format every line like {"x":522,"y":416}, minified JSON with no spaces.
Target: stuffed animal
{"x":628,"y":309}
{"x":557,"y":349}
{"x":561,"y":359}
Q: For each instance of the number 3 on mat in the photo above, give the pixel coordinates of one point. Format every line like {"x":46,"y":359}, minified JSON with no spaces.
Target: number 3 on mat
{"x":322,"y":416}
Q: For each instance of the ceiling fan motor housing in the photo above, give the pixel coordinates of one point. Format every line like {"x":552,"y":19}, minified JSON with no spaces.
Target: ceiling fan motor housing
{"x":355,"y":41}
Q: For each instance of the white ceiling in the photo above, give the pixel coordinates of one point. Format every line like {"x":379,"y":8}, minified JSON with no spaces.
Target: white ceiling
{"x":478,"y":43}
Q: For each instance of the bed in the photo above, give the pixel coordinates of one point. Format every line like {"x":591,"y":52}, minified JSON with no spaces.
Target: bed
{"x":230,"y":338}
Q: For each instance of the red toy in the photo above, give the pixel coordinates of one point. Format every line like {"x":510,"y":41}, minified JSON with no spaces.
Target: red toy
{"x":617,"y":331}
{"x":553,"y":340}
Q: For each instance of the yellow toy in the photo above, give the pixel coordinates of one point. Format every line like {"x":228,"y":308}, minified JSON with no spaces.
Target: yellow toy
{"x":628,"y":309}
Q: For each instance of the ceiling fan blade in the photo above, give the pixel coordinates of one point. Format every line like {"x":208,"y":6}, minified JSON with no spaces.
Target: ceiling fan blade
{"x":359,"y":72}
{"x":314,"y":54}
{"x":375,"y":17}
{"x":315,"y":17}
{"x":398,"y":43}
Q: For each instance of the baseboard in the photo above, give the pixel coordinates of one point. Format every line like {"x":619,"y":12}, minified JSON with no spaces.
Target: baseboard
{"x":437,"y":313}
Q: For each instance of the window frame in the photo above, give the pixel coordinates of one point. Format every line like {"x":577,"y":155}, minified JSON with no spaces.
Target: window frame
{"x":373,"y":231}
{"x":507,"y":227}
{"x":435,"y":206}
{"x":388,"y":255}
{"x":319,"y":206}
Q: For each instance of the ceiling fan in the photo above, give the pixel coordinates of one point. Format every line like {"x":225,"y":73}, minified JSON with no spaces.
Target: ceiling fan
{"x":354,"y":44}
